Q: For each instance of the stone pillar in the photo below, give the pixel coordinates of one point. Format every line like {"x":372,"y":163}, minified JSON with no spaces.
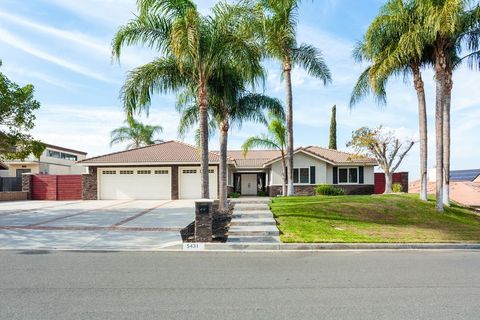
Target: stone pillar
{"x":89,"y":184}
{"x":175,"y":195}
{"x":27,"y":184}
{"x":203,"y":220}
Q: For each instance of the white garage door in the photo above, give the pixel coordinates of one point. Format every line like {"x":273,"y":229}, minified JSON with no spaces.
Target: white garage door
{"x":135,"y":183}
{"x":190,"y":179}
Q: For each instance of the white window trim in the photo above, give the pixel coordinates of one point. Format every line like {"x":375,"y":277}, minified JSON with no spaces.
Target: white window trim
{"x":300,"y":183}
{"x":348,"y":175}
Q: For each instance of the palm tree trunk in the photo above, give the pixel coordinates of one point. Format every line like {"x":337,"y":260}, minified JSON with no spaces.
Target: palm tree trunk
{"x":440,"y":65}
{"x":224,"y":126}
{"x":422,"y":126}
{"x":284,"y":177}
{"x":289,"y":97}
{"x":388,"y":182}
{"x":203,"y":127}
{"x":446,"y":138}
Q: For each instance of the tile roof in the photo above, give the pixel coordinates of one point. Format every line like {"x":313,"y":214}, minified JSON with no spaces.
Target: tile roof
{"x":339,"y":157}
{"x":253,"y":159}
{"x":178,"y":152}
{"x":166,"y":152}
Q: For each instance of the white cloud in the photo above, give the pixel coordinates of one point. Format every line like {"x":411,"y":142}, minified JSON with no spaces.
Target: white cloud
{"x":28,"y":74}
{"x":20,"y":44}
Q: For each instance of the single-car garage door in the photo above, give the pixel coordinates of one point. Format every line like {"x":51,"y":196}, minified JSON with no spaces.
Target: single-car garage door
{"x":135,"y":183}
{"x":190,"y":179}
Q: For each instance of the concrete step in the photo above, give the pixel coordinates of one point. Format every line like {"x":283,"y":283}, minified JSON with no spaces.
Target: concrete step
{"x":246,"y":221}
{"x":251,"y":200}
{"x":253,"y":231}
{"x":236,"y":211}
{"x":251,"y":215}
{"x":254,"y":239}
{"x":251,"y":206}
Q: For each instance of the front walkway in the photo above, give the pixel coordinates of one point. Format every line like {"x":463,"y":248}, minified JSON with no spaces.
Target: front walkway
{"x":252,"y":222}
{"x":94,"y":225}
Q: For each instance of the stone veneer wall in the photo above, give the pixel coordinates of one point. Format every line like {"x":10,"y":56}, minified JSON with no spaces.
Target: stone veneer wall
{"x":309,"y":190}
{"x":89,"y":184}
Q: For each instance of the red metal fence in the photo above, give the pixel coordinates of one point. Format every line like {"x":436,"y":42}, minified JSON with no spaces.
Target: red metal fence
{"x":398,"y":177}
{"x":56,"y":187}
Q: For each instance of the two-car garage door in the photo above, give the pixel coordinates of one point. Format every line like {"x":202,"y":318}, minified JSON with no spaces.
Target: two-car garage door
{"x":135,"y":183}
{"x":153,"y":183}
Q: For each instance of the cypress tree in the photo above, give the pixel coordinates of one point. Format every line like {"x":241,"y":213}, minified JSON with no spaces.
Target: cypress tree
{"x":333,"y":129}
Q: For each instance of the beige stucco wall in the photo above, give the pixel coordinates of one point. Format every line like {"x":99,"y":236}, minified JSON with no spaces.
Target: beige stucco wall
{"x":300,"y":160}
{"x":368,"y":173}
{"x":48,"y":165}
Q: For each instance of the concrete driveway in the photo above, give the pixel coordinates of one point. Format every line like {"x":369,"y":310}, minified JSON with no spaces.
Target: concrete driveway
{"x":94,"y":225}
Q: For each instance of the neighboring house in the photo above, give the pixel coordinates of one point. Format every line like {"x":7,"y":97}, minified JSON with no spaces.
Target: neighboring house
{"x":54,"y":160}
{"x":171,"y":170}
{"x":464,"y":186}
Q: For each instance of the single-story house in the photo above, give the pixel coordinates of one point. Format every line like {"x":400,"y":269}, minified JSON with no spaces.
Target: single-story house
{"x":171,"y":170}
{"x":54,"y":160}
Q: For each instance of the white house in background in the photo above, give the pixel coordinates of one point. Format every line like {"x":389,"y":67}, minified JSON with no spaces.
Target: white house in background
{"x":54,"y":160}
{"x":171,"y":170}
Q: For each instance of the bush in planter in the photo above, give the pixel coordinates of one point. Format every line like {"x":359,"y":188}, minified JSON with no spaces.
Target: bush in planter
{"x":329,"y":190}
{"x":234,"y":195}
{"x":397,"y":188}
{"x":262,"y":194}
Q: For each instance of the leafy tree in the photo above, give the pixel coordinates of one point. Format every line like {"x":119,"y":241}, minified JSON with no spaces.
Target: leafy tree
{"x":136,"y":134}
{"x":382,"y":145}
{"x":193,"y":49}
{"x":333,"y":129}
{"x":279,"y":32}
{"x":276,"y":139}
{"x":17,"y":107}
{"x":383,"y":35}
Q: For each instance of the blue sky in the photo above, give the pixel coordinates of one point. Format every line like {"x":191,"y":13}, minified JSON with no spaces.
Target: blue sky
{"x":63,"y":48}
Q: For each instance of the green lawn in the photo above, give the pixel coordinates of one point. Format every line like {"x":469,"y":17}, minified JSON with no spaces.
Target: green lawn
{"x":376,"y":218}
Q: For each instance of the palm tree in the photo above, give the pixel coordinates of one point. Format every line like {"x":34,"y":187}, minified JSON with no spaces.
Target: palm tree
{"x":441,"y":27}
{"x":276,"y":139}
{"x":279,"y":33}
{"x":230,"y":105}
{"x":383,"y":34}
{"x":136,"y":134}
{"x":192,"y":48}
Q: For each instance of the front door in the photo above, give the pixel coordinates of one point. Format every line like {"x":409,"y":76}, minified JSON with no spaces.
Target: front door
{"x":249,"y":184}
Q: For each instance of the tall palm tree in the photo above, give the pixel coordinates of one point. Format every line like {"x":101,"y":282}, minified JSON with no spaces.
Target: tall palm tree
{"x":276,"y":139}
{"x":136,"y":134}
{"x":442,"y":26}
{"x":279,"y":33}
{"x":192,"y":48}
{"x":383,"y":34}
{"x":230,"y":105}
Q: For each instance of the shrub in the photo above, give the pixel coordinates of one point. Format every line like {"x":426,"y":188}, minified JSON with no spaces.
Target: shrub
{"x":397,"y":188}
{"x":262,"y":194}
{"x":328,"y":190}
{"x":234,"y":195}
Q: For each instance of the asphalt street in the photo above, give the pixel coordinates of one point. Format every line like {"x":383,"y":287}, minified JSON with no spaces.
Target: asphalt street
{"x":179,"y":285}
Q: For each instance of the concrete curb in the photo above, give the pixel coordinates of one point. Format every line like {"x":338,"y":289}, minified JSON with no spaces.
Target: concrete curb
{"x":338,"y":246}
{"x":266,"y":247}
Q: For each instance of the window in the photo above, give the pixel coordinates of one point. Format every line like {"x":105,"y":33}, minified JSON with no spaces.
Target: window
{"x":61,"y":155}
{"x":161,"y":171}
{"x":301,"y":175}
{"x":126,"y":171}
{"x":189,"y":171}
{"x":144,"y":171}
{"x":109,"y":172}
{"x":347,"y":175}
